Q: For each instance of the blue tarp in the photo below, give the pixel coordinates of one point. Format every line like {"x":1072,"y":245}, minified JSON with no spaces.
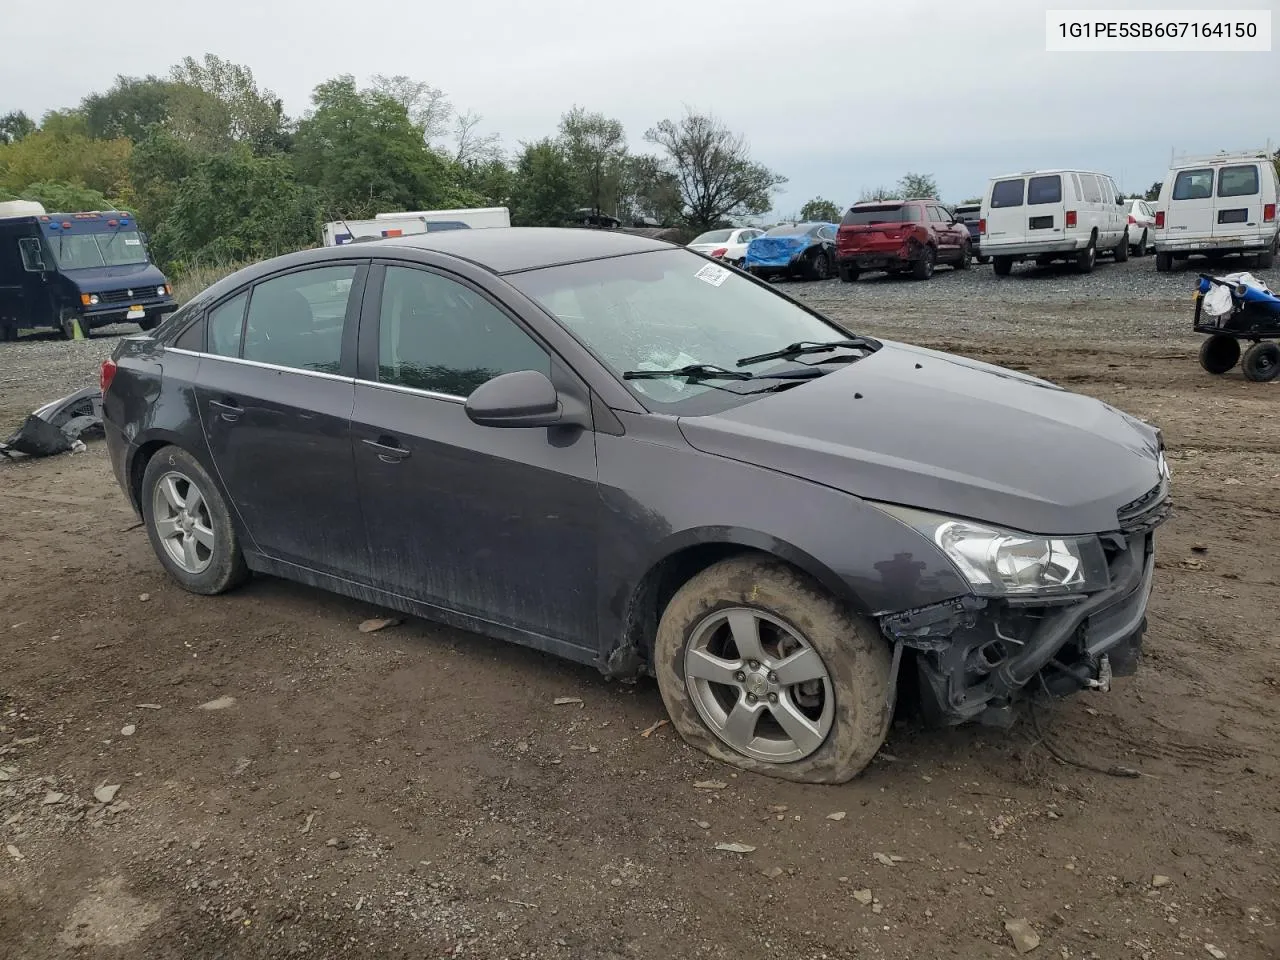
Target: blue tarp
{"x":779,"y":250}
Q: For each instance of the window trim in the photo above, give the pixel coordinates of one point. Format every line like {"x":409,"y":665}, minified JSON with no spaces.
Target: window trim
{"x":263,"y":365}
{"x":207,"y":314}
{"x":369,"y":348}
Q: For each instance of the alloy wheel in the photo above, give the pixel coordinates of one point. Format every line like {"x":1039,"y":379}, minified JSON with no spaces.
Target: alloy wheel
{"x":759,"y":685}
{"x":182,"y":522}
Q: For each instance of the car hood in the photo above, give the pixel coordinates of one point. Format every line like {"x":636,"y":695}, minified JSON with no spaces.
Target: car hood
{"x":98,"y":279}
{"x":926,"y":429}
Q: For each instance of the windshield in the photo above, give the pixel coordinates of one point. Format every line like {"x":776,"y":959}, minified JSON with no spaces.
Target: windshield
{"x":714,"y":236}
{"x":669,"y":309}
{"x":891,"y":213}
{"x":111,"y":248}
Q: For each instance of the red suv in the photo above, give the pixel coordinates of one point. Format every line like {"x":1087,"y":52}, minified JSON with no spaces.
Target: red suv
{"x":900,"y":235}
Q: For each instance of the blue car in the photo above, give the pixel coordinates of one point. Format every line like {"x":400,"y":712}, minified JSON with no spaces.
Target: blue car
{"x":806,"y":250}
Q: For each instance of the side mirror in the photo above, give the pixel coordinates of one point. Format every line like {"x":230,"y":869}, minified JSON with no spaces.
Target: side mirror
{"x":525,"y":398}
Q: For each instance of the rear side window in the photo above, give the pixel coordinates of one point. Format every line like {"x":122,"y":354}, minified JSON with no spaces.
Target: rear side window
{"x":226,"y":326}
{"x":1044,"y":189}
{"x":296,"y":320}
{"x":1193,"y":185}
{"x":1092,"y":194}
{"x":1241,"y":181}
{"x":1007,"y":193}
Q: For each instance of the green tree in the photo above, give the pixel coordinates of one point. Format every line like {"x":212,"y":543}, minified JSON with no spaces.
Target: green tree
{"x":365,"y":155}
{"x":713,"y":168}
{"x":971,"y":200}
{"x":237,"y":206}
{"x":15,"y":125}
{"x":129,"y":108}
{"x":60,"y":152}
{"x":918,"y":185}
{"x":819,"y":209}
{"x":596,"y":148}
{"x":219,"y":102}
{"x":880,"y":193}
{"x":64,"y":197}
{"x":1153,"y":191}
{"x":543,"y":189}
{"x":158,"y":166}
{"x":649,"y":189}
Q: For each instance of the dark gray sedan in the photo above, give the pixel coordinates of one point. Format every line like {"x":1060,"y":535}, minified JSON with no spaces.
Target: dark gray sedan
{"x":618,"y":451}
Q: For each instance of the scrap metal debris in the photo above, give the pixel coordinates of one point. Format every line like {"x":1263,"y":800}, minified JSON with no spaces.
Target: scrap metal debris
{"x":648,"y":731}
{"x":58,"y":427}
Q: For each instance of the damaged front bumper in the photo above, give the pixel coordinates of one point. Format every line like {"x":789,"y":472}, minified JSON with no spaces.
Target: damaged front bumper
{"x":976,"y":657}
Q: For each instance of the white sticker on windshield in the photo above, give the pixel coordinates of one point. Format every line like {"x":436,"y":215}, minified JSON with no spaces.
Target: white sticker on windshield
{"x":712,"y":274}
{"x":132,"y":242}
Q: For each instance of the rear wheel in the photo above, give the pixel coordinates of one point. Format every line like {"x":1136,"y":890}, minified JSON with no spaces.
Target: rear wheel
{"x":1268,"y":260}
{"x":922,"y":269}
{"x":1002,"y":265}
{"x":1088,"y":257}
{"x":1219,"y":353}
{"x":849,"y":274}
{"x":1261,"y":362}
{"x":983,"y":259}
{"x":1140,"y":250}
{"x":1164,"y":262}
{"x":1122,"y":248}
{"x":820,"y":266}
{"x":966,"y":257}
{"x":759,"y":667}
{"x":189,"y":524}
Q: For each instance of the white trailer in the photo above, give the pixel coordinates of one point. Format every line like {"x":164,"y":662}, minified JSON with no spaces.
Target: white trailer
{"x":420,"y":221}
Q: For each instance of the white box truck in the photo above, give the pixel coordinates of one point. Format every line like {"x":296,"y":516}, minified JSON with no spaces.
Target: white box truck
{"x":418,"y":221}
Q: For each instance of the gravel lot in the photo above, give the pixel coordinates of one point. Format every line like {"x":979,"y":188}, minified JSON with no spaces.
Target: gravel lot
{"x":417,"y":792}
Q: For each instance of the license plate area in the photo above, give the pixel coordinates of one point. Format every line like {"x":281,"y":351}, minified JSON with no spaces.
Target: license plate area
{"x":1040,"y":223}
{"x":1233,"y":216}
{"x":135,"y":313}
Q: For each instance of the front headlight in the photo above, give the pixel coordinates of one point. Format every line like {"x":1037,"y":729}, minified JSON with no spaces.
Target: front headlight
{"x":1002,"y":563}
{"x":159,"y":291}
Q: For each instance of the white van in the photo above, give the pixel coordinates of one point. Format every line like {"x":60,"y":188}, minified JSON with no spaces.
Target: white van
{"x":419,"y":221}
{"x":1047,"y":215}
{"x":1216,"y":205}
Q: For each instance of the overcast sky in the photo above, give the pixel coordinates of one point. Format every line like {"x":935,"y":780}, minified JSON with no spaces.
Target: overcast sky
{"x":835,"y":95}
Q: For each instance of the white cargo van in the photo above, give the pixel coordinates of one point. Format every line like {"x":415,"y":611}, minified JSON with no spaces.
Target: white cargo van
{"x":1047,"y":215}
{"x":1218,"y":205}
{"x":340,"y":232}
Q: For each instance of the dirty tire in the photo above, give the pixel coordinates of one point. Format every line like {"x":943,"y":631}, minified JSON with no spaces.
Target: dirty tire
{"x":922,"y":269}
{"x":1261,"y":362}
{"x":1122,"y":248}
{"x":1164,"y":262}
{"x":1087,"y":258}
{"x":1268,"y":260}
{"x":966,"y":257}
{"x":819,"y":266}
{"x":227,"y":568}
{"x":8,"y":333}
{"x":1141,"y":249}
{"x":1002,"y":266}
{"x":849,"y":274}
{"x":856,"y":657}
{"x":1219,"y":353}
{"x":983,"y":259}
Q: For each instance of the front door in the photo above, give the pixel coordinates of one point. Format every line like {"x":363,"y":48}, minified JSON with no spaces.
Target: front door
{"x":276,"y":405}
{"x":497,"y":524}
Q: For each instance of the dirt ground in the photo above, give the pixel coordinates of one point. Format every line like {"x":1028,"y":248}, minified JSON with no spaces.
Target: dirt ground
{"x":417,"y":792}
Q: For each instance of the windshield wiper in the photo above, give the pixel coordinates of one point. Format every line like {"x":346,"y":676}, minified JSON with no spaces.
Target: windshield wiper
{"x":805,"y":347}
{"x":692,"y":371}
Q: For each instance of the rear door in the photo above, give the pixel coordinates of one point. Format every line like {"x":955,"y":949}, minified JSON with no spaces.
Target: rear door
{"x":1237,"y":203}
{"x":276,"y":392}
{"x":940,"y":228}
{"x":1007,"y":216}
{"x":1045,"y":217}
{"x":1190,"y":215}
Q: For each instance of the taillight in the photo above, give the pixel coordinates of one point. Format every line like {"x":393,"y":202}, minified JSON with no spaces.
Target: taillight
{"x":1071,"y":218}
{"x":1268,"y":213}
{"x":1159,"y":219}
{"x":719,"y":251}
{"x":982,"y":226}
{"x":1131,"y":219}
{"x":107,"y":374}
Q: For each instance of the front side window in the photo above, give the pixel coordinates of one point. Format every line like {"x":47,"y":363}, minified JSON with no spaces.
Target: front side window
{"x":435,"y":334}
{"x":226,"y":326}
{"x":1007,"y":193}
{"x":1046,"y":189}
{"x":1193,"y":185}
{"x":669,"y":309}
{"x":296,"y":320}
{"x":1241,"y":181}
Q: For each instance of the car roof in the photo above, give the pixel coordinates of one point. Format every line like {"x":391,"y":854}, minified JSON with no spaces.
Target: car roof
{"x":512,"y":249}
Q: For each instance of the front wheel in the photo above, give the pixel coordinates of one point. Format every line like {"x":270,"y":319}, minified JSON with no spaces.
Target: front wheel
{"x":1002,"y":266}
{"x":819,"y":266}
{"x":1261,"y":362}
{"x":983,"y":260}
{"x":1087,"y":257}
{"x":759,"y":667}
{"x":966,"y":257}
{"x":189,"y":524}
{"x":1122,"y":248}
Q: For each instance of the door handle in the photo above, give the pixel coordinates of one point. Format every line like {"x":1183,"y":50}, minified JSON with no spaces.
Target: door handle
{"x":228,"y":409}
{"x":388,"y":450}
